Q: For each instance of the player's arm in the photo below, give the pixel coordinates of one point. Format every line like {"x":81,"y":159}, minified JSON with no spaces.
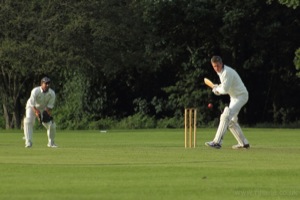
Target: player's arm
{"x":226,"y":81}
{"x":50,"y":104}
{"x":35,"y":110}
{"x":37,"y":113}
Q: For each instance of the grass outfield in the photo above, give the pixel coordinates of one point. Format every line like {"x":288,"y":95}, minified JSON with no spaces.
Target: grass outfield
{"x":149,"y":164}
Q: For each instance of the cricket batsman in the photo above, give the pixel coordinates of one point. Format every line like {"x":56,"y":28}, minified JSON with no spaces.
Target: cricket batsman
{"x":39,"y":105}
{"x":232,"y":85}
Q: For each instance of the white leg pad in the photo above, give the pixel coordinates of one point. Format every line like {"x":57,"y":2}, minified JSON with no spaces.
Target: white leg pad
{"x":223,"y":125}
{"x":237,"y":132}
{"x":28,"y":130}
{"x":51,"y":131}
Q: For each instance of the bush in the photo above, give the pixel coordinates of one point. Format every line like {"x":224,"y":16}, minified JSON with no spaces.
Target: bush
{"x":103,"y":124}
{"x":295,"y":124}
{"x":137,"y":121}
{"x":170,"y":123}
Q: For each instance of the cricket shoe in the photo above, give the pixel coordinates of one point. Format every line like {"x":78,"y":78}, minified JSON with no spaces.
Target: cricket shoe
{"x":28,"y":144}
{"x":213,"y":145}
{"x":52,"y":145}
{"x":238,"y":146}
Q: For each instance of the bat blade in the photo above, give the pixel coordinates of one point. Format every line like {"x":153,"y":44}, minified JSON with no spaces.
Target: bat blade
{"x":209,"y":83}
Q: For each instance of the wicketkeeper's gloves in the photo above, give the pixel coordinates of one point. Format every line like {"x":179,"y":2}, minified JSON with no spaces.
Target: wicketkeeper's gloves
{"x":46,"y":117}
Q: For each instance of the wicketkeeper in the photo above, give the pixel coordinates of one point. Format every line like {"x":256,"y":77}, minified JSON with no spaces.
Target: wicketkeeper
{"x":232,"y":85}
{"x":39,"y":105}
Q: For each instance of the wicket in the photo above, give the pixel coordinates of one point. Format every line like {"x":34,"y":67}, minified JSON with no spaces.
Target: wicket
{"x":190,"y":127}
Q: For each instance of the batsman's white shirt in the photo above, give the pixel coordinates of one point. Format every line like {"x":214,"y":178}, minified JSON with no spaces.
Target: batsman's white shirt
{"x":231,"y":83}
{"x":40,"y":99}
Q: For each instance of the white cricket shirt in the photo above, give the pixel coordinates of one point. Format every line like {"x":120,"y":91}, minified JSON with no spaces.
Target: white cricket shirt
{"x":40,"y":99}
{"x":231,"y":83}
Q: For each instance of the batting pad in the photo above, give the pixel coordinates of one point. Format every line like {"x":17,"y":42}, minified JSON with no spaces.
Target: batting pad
{"x":237,"y":132}
{"x":223,"y":125}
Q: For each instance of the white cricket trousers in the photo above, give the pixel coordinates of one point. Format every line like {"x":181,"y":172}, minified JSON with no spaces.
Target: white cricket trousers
{"x":29,"y":122}
{"x":229,"y":120}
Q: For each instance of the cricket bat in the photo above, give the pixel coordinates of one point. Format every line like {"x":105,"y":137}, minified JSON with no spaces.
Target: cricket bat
{"x":209,"y":83}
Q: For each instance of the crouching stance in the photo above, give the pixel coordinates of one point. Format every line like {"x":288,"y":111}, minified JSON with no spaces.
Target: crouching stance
{"x":39,"y":105}
{"x":232,"y":85}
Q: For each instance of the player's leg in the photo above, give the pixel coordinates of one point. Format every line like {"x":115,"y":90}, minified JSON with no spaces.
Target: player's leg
{"x":28,"y":126}
{"x":223,"y":125}
{"x":237,"y":132}
{"x":222,"y":128}
{"x":51,"y":131}
{"x":234,"y":127}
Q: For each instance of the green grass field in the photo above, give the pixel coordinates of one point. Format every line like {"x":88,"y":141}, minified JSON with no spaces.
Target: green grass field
{"x":149,"y":164}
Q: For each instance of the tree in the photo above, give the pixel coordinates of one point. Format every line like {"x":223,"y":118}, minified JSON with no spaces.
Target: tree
{"x":17,"y":56}
{"x":289,"y":3}
{"x":30,"y":49}
{"x":297,"y":61}
{"x":113,"y":58}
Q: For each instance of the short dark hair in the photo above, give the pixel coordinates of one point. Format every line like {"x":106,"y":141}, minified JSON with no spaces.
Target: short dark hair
{"x":215,"y":59}
{"x":45,"y":80}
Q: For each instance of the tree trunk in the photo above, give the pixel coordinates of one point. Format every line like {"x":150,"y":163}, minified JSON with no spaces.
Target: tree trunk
{"x":6,"y":116}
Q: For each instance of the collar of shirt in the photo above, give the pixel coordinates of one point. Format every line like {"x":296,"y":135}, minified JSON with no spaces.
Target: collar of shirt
{"x":42,"y":91}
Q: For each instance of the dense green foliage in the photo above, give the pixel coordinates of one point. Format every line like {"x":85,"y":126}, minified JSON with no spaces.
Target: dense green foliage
{"x":150,"y":165}
{"x":119,"y":60}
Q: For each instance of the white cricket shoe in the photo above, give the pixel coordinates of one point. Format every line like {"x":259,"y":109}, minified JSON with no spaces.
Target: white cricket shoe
{"x":52,"y":145}
{"x":28,"y":144}
{"x":238,"y":146}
